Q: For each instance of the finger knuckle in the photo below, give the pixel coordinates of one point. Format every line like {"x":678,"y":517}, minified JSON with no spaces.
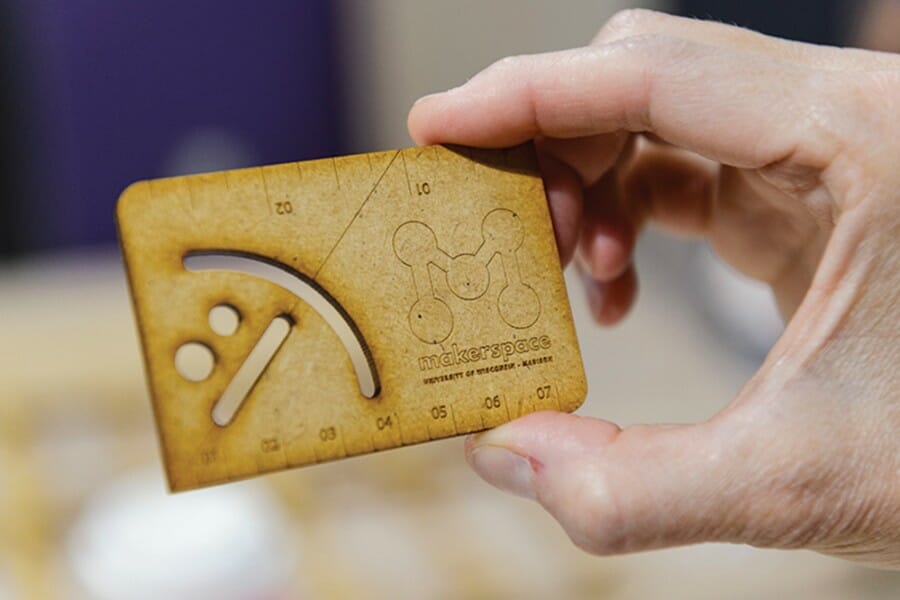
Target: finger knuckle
{"x":653,"y":48}
{"x":838,"y":113}
{"x":507,"y":64}
{"x":594,"y":520}
{"x":872,"y":100}
{"x":625,"y":23}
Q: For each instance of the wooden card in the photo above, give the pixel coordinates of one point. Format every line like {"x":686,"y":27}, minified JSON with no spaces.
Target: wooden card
{"x":304,"y":312}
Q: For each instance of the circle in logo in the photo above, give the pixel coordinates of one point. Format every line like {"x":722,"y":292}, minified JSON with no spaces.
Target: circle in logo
{"x":431,"y":320}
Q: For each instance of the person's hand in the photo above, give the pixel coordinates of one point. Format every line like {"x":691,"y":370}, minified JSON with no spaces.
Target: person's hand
{"x":786,"y":156}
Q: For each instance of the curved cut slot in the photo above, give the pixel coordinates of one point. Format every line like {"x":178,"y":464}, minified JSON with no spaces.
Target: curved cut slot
{"x":307,"y":290}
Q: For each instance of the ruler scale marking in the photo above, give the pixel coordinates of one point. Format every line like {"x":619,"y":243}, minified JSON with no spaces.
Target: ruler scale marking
{"x":411,"y":274}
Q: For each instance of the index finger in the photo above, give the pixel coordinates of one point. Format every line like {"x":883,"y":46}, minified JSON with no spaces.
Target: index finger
{"x":731,"y":106}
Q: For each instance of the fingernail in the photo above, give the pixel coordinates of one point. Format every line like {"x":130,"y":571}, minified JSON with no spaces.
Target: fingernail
{"x":594,"y":293}
{"x":423,"y":99}
{"x":503,"y":469}
{"x":436,"y":94}
{"x":586,"y":279}
{"x":429,"y":96}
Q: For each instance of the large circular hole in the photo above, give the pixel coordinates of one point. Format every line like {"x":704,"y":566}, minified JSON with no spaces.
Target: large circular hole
{"x":224,"y":319}
{"x":194,"y":361}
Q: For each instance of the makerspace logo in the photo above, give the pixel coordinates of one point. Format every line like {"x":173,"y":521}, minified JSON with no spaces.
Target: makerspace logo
{"x":468,"y":276}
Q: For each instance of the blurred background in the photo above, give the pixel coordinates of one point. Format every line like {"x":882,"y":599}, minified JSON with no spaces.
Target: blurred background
{"x":95,"y":94}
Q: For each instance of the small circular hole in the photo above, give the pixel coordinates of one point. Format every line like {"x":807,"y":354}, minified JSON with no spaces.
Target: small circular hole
{"x":194,"y":361}
{"x":224,"y":319}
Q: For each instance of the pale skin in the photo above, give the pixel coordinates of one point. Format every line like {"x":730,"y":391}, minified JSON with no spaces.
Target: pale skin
{"x":786,"y":157}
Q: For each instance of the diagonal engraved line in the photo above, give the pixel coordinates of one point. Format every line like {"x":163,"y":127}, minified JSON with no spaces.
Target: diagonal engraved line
{"x":262,"y":176}
{"x":406,"y":171}
{"x":356,"y":214}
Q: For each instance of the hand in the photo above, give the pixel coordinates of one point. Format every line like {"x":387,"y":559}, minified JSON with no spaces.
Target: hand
{"x":786,"y":156}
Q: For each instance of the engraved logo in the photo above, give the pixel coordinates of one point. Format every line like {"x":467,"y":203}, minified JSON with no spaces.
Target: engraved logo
{"x":467,"y":274}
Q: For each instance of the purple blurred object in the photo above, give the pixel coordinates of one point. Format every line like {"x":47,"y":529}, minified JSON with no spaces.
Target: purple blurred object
{"x":122,"y":91}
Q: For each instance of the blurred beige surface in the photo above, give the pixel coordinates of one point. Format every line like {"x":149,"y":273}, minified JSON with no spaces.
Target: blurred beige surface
{"x":410,"y":523}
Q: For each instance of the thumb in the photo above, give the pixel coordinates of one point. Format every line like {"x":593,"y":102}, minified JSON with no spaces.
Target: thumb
{"x":614,"y":490}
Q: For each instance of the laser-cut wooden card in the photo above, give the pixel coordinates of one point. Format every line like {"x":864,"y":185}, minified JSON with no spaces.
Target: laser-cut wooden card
{"x":436,"y":267}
